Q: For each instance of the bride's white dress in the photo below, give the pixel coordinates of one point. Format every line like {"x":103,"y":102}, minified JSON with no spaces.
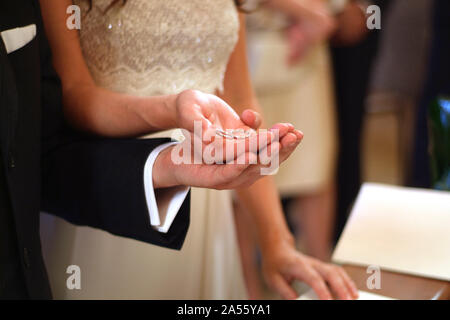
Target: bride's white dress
{"x":153,"y":47}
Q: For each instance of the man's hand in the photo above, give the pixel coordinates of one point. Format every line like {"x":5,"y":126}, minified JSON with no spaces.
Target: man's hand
{"x":247,"y":160}
{"x":244,"y":171}
{"x":283,"y":264}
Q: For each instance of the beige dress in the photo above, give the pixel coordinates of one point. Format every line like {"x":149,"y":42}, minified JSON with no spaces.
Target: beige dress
{"x":302,"y":95}
{"x":145,"y":48}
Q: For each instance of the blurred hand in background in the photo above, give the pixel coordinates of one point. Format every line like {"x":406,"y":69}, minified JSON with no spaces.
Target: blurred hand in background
{"x":351,"y":25}
{"x":312,"y":23}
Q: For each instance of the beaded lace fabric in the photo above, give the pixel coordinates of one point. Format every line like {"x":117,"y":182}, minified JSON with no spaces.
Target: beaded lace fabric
{"x":155,"y":47}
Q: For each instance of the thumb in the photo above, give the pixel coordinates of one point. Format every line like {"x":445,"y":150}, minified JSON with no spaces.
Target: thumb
{"x":251,"y":118}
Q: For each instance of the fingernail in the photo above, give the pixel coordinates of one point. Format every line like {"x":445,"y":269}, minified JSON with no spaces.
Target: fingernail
{"x":295,"y":143}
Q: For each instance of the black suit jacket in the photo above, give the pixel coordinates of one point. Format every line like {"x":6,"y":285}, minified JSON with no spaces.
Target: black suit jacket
{"x":85,"y":180}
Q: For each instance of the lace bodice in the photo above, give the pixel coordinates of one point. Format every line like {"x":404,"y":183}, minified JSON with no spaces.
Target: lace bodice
{"x":153,"y":47}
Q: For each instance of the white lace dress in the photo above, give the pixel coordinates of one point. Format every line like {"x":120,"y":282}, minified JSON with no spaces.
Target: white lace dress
{"x":154,"y":47}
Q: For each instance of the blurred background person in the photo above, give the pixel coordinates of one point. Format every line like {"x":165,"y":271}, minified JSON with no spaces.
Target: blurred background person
{"x":291,"y":72}
{"x":353,"y":51}
{"x":409,"y":73}
{"x":292,"y":76}
{"x":398,"y":75}
{"x":296,"y":81}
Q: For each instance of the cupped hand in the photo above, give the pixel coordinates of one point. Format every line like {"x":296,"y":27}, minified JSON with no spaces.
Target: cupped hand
{"x":210,"y":110}
{"x":284,"y":264}
{"x":197,"y":110}
{"x":239,"y":163}
{"x":172,"y":169}
{"x":201,"y":114}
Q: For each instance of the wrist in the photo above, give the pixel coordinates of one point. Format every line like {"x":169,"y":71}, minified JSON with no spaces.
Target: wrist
{"x":164,"y":171}
{"x":275,"y":248}
{"x":273,"y":242}
{"x":159,"y":112}
{"x":170,"y":110}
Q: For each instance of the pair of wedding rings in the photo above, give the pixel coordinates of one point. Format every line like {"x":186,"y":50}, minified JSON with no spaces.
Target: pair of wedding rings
{"x":234,"y":133}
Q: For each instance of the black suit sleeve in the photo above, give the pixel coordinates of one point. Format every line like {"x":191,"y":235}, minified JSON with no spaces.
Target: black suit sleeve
{"x":99,"y":183}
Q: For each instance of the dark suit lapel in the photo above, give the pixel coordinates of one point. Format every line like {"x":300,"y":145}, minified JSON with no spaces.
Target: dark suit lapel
{"x":8,"y":105}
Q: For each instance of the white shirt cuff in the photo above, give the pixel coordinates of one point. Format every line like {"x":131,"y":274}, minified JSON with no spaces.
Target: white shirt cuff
{"x":164,"y":208}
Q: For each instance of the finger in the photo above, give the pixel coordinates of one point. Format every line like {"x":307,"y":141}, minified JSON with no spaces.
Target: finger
{"x":287,"y":151}
{"x":290,"y":126}
{"x":299,"y":134}
{"x":245,"y":160}
{"x":226,"y":149}
{"x":336,"y":281}
{"x":262,"y":164}
{"x":282,"y":129}
{"x":229,"y":149}
{"x":251,"y":118}
{"x":349,"y":283}
{"x":269,"y":154}
{"x":259,"y":141}
{"x":248,"y":176}
{"x":315,"y":281}
{"x":256,"y":142}
{"x":234,"y":171}
{"x":280,"y":285}
{"x":288,"y":140}
{"x":238,"y":174}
